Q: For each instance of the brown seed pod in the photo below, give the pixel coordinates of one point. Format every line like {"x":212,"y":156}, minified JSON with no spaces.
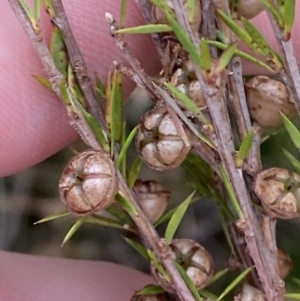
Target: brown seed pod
{"x":285,"y":264}
{"x":279,"y":191}
{"x":88,"y":183}
{"x":266,"y":98}
{"x":250,"y":8}
{"x":160,"y":17}
{"x":196,"y":93}
{"x":194,"y":258}
{"x":159,"y":141}
{"x":153,"y":198}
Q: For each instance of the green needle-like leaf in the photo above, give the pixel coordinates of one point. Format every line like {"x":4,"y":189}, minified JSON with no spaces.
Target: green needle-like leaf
{"x":176,"y":218}
{"x":225,"y":58}
{"x":188,"y":281}
{"x":74,"y":229}
{"x":37,"y":10}
{"x":27,"y":9}
{"x":244,"y":148}
{"x":134,"y":171}
{"x":119,"y":214}
{"x":146,"y":29}
{"x":236,"y":28}
{"x":97,"y":130}
{"x":105,"y":221}
{"x":43,"y":81}
{"x":114,"y":105}
{"x":276,"y":14}
{"x":292,"y":131}
{"x":292,"y":296}
{"x":262,"y":44}
{"x":293,"y":160}
{"x":125,"y":146}
{"x":231,"y":192}
{"x":205,"y":56}
{"x":188,"y":103}
{"x":126,"y":204}
{"x":234,"y":283}
{"x":289,"y":17}
{"x":57,"y":50}
{"x":242,"y":55}
{"x":123,"y":12}
{"x":217,"y":276}
{"x":184,"y":39}
{"x":191,"y":4}
{"x":157,"y":264}
{"x":151,"y":289}
{"x":52,"y":217}
{"x":138,"y":247}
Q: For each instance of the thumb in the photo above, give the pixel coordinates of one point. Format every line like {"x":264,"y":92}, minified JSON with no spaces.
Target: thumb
{"x":33,"y":122}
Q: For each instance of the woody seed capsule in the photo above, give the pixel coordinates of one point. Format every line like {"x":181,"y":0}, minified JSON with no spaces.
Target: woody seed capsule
{"x":250,"y":8}
{"x":266,"y":98}
{"x":195,"y":260}
{"x":88,"y":183}
{"x":279,"y":191}
{"x":158,"y":140}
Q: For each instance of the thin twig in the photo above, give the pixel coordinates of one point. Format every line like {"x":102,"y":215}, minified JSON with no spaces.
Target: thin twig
{"x":159,"y":42}
{"x":77,"y":62}
{"x":291,"y":75}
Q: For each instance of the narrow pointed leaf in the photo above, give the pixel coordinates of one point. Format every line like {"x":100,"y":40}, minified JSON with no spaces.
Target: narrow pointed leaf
{"x":276,"y":14}
{"x":100,"y":84}
{"x":121,"y":215}
{"x":157,"y":264}
{"x":126,"y":205}
{"x":289,"y":17}
{"x":184,"y":39}
{"x":104,"y":221}
{"x":292,"y":131}
{"x":145,"y":29}
{"x":64,"y":93}
{"x":73,"y":229}
{"x":208,"y":295}
{"x":236,"y":28}
{"x":217,"y":276}
{"x":205,"y":56}
{"x":123,"y":12}
{"x":125,"y":147}
{"x":114,"y":107}
{"x":244,"y":148}
{"x":52,"y":217}
{"x":191,"y":4}
{"x":231,"y":192}
{"x":134,"y":171}
{"x":151,"y":289}
{"x":123,"y":164}
{"x":293,"y":160}
{"x":43,"y":81}
{"x":37,"y":10}
{"x":96,"y":128}
{"x":225,"y":58}
{"x":49,"y":8}
{"x":188,"y":103}
{"x":242,"y":55}
{"x":294,"y":296}
{"x":58,"y":52}
{"x":261,"y":43}
{"x":234,"y":283}
{"x":27,"y":9}
{"x":188,"y":281}
{"x":176,"y":218}
{"x":138,"y":247}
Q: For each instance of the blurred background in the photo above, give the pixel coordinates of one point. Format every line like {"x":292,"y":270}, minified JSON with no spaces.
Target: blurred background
{"x":33,"y":194}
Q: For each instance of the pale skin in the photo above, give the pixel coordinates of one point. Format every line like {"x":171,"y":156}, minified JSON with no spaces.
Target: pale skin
{"x":34,"y":125}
